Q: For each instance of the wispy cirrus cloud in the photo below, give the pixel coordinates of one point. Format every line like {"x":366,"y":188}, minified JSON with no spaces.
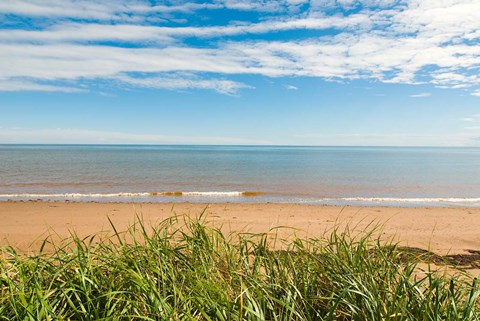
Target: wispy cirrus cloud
{"x":84,"y":32}
{"x":12,"y":85}
{"x":465,"y":138}
{"x":176,"y":82}
{"x":123,"y":10}
{"x":337,"y":57}
{"x":472,"y":119}
{"x":407,"y":42}
{"x":69,"y":8}
{"x":96,"y":10}
{"x":421,"y":95}
{"x":82,"y":136}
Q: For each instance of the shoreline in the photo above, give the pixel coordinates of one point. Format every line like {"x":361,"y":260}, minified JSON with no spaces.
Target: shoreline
{"x":188,"y":202}
{"x":443,"y":230}
{"x":243,"y":197}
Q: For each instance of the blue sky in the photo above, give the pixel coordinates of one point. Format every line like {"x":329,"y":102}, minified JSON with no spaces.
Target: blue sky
{"x":294,"y":72}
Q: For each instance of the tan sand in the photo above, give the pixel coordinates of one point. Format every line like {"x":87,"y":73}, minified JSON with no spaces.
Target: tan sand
{"x":442,"y":230}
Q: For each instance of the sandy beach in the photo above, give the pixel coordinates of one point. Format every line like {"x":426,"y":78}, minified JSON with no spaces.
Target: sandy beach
{"x":441,"y":230}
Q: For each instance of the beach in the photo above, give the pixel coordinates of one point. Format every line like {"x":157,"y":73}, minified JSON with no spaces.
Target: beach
{"x":240,"y":160}
{"x":441,"y":230}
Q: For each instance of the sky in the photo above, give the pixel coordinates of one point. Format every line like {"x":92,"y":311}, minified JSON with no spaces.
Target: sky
{"x":283,"y":72}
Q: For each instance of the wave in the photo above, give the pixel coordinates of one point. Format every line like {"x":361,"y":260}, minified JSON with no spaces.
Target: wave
{"x":225,"y":195}
{"x":130,"y":194}
{"x":406,"y":200}
{"x":72,"y":195}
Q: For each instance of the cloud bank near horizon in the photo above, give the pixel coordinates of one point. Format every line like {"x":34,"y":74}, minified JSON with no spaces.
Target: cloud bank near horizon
{"x":74,"y":46}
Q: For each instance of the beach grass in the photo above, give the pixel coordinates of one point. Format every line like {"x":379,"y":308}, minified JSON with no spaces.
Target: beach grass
{"x":185,"y":269}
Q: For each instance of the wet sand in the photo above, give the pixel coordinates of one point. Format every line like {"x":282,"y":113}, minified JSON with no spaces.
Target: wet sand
{"x":441,"y":230}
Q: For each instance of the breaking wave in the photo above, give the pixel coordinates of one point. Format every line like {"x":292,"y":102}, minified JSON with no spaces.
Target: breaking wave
{"x":128,"y":195}
{"x":241,"y":196}
{"x":406,"y":200}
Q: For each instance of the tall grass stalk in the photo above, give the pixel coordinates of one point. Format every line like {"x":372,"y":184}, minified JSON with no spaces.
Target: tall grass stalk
{"x":184,"y":269}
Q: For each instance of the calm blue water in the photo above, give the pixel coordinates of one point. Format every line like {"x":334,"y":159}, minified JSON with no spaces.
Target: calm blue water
{"x":325,"y":175}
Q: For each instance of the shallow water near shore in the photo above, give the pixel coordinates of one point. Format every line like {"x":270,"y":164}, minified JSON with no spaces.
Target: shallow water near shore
{"x":284,"y":174}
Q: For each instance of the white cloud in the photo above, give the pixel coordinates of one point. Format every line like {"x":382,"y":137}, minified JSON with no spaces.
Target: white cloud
{"x":467,"y":138}
{"x":92,"y":9}
{"x":87,"y":32}
{"x":63,"y":8}
{"x":472,"y":119}
{"x":71,"y":32}
{"x":445,"y":79}
{"x":80,"y":136}
{"x":350,"y":4}
{"x":72,"y":62}
{"x":290,"y":87}
{"x":415,"y":42}
{"x":475,"y":128}
{"x":26,"y":85}
{"x":174,"y":83}
{"x":123,"y":10}
{"x":342,"y":56}
{"x":421,"y":95}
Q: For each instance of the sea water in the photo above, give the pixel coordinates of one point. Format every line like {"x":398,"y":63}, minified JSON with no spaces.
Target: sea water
{"x":318,"y":175}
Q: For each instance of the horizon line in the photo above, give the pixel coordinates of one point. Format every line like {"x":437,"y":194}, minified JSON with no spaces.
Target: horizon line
{"x":226,"y":145}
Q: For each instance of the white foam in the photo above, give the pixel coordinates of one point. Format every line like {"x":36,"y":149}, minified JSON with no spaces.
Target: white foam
{"x":73,"y":195}
{"x":213,"y":194}
{"x":227,"y":194}
{"x":406,"y":200}
{"x":119,"y":195}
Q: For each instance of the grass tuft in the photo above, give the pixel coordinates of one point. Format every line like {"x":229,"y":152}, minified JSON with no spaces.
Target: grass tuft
{"x":184,"y":269}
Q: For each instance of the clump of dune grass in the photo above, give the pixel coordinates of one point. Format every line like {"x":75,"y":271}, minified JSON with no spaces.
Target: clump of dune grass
{"x":184,"y":269}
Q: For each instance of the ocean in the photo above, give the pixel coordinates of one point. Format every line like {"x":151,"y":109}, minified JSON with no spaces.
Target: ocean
{"x":390,"y":176}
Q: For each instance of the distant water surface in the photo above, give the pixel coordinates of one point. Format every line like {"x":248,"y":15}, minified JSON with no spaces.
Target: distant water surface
{"x":324,"y":175}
